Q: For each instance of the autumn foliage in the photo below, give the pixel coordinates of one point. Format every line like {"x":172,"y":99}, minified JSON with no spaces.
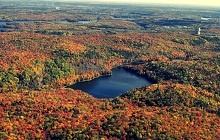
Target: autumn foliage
{"x":182,"y":104}
{"x":64,"y":113}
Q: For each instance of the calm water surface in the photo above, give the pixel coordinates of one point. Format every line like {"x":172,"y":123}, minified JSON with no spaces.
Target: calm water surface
{"x":112,"y":86}
{"x":4,"y":23}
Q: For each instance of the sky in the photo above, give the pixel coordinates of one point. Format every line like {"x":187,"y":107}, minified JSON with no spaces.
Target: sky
{"x":202,"y":2}
{"x":182,"y":2}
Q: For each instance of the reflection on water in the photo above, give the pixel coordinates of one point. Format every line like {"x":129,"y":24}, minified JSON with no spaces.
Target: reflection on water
{"x":87,"y":21}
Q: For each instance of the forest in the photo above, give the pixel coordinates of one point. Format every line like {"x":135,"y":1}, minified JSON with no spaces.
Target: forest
{"x":47,"y":46}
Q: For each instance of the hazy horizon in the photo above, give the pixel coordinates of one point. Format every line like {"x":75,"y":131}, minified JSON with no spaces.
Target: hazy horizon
{"x":215,"y":3}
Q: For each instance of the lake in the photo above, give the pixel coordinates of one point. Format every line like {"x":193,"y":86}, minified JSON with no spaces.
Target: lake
{"x":55,"y":21}
{"x":16,"y":21}
{"x":4,"y":23}
{"x":86,"y":21}
{"x":112,"y":86}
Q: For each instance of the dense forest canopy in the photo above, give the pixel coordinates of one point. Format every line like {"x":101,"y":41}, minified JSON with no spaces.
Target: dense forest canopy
{"x":46,"y":46}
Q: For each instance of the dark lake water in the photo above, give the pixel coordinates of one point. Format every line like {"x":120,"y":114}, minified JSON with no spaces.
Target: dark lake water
{"x":112,"y":86}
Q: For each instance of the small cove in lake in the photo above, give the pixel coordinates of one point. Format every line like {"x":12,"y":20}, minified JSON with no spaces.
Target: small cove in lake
{"x":112,"y":86}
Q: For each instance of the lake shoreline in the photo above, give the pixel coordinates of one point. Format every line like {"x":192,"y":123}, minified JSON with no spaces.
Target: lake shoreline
{"x":112,"y":85}
{"x":109,"y":74}
{"x":153,"y":81}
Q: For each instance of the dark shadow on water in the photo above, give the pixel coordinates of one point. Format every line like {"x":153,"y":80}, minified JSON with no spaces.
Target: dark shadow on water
{"x":112,"y":86}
